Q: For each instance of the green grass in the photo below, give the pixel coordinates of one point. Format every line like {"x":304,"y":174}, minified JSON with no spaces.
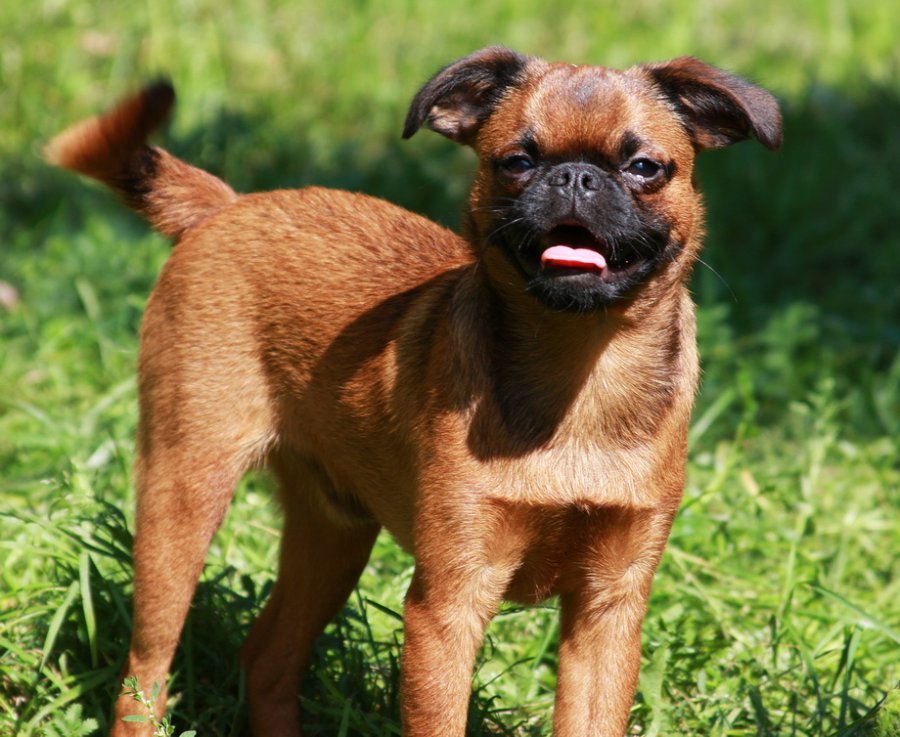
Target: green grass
{"x":775,"y":611}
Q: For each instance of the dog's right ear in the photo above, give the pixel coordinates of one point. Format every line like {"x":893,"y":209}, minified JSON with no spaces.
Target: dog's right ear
{"x":460,"y":97}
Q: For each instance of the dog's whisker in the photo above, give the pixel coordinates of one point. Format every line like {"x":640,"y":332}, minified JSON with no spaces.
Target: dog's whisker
{"x":719,"y":276}
{"x":503,"y":226}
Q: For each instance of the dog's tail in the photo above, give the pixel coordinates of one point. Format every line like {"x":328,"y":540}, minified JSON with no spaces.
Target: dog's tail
{"x":112,"y":148}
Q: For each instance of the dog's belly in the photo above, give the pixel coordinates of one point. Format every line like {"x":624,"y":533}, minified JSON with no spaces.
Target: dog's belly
{"x":554,"y":544}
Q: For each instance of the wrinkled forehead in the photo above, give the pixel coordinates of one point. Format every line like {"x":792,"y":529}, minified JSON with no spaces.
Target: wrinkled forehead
{"x":567,"y":108}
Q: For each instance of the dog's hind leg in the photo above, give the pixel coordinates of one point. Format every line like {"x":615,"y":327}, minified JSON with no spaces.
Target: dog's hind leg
{"x":183,"y":494}
{"x":323,"y":553}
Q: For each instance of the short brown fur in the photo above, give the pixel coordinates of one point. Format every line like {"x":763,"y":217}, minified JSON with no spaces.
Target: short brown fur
{"x":518,"y":425}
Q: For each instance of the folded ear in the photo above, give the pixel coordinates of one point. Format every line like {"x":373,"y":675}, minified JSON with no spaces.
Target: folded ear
{"x":718,"y":108}
{"x":463,"y":94}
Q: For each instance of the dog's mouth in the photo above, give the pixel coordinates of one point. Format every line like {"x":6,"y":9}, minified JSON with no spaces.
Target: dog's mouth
{"x":572,"y":249}
{"x":576,"y":267}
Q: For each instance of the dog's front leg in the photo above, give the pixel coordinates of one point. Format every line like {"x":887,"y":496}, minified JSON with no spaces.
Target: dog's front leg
{"x":455,"y":592}
{"x":599,"y":658}
{"x":602,"y":613}
{"x":443,"y":630}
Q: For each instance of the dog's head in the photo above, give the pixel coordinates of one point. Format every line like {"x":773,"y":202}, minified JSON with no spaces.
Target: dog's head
{"x":585,"y":185}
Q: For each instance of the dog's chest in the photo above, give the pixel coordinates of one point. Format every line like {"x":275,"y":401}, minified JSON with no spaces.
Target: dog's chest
{"x":576,"y":475}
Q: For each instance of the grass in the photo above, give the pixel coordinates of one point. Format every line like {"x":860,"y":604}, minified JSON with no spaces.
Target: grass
{"x":775,"y":609}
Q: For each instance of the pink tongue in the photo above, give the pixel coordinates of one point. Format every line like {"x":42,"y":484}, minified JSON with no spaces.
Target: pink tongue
{"x":573,"y":258}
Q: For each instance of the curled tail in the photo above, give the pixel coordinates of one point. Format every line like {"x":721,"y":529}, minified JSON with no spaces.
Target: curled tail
{"x":112,"y":148}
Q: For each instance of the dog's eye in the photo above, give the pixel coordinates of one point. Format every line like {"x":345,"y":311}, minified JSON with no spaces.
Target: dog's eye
{"x":644,"y":168}
{"x":516,"y":164}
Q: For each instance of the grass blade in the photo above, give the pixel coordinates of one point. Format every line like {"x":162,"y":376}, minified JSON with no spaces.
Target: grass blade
{"x":87,"y":605}
{"x":56,"y":623}
{"x":866,"y":620}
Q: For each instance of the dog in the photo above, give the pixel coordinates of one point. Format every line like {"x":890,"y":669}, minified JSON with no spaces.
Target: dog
{"x":511,"y":404}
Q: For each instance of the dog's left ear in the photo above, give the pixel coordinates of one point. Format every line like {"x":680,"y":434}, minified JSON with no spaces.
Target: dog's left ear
{"x":461,"y":96}
{"x":718,"y":108}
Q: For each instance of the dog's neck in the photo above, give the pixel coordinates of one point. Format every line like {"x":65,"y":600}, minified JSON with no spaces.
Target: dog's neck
{"x":550,"y":372}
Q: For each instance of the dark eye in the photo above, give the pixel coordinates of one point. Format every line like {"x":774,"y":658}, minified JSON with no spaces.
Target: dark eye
{"x":644,"y":168}
{"x":516,"y":164}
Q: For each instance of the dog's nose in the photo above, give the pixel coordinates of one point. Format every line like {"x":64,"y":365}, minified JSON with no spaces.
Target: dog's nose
{"x":576,"y":176}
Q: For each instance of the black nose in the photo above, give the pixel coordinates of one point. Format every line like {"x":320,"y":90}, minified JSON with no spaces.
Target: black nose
{"x":576,"y":176}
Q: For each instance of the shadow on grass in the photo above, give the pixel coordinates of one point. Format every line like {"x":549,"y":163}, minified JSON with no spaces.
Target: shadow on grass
{"x":814,"y":223}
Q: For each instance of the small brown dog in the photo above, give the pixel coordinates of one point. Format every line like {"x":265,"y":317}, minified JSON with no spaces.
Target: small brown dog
{"x":512,"y":405}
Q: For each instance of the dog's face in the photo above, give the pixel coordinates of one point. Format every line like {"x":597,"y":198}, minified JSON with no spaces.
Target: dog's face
{"x":585,"y":185}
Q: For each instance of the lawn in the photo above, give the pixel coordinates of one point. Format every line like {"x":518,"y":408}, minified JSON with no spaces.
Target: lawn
{"x":776,"y":610}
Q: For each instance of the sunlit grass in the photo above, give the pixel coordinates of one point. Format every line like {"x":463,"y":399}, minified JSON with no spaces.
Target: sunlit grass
{"x":774,"y":611}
